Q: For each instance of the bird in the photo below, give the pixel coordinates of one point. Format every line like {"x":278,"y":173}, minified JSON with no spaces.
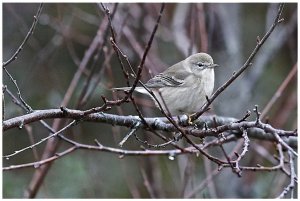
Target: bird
{"x":182,"y":88}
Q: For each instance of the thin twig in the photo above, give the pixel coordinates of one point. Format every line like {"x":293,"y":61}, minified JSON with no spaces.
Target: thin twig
{"x":28,"y":108}
{"x":155,"y":145}
{"x":82,"y":98}
{"x":41,"y":162}
{"x":108,"y":103}
{"x":141,"y":65}
{"x":264,"y":168}
{"x":132,"y":131}
{"x":244,"y":151}
{"x":30,"y":32}
{"x":293,"y":176}
{"x":39,"y":142}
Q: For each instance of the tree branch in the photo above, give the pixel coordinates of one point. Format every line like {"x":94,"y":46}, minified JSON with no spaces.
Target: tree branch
{"x":224,"y":124}
{"x":30,"y":32}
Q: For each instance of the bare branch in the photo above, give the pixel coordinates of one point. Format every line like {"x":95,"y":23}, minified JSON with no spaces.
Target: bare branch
{"x":30,"y":32}
{"x":293,"y":177}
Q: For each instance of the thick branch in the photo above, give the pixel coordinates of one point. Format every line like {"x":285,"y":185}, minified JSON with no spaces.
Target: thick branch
{"x":225,"y":124}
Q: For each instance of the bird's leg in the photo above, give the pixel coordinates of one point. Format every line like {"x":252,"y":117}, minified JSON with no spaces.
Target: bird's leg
{"x":177,"y":136}
{"x":190,"y":122}
{"x":185,"y":120}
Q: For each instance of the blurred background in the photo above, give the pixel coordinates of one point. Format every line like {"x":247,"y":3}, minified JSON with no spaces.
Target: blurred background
{"x":62,"y":38}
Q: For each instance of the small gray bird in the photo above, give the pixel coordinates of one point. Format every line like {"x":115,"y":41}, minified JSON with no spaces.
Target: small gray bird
{"x":183,"y":86}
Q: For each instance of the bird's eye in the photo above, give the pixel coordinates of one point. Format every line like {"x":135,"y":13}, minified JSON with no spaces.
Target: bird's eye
{"x":200,"y":64}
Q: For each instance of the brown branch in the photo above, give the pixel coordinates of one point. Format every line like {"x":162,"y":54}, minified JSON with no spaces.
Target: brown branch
{"x":113,"y":42}
{"x":52,"y":143}
{"x":279,"y":91}
{"x":82,"y":97}
{"x":41,"y":162}
{"x":100,"y":147}
{"x":202,"y":28}
{"x":108,"y":103}
{"x":141,"y":65}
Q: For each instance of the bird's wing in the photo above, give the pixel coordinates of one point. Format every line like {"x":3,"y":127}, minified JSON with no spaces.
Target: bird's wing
{"x":162,"y":80}
{"x":169,"y":78}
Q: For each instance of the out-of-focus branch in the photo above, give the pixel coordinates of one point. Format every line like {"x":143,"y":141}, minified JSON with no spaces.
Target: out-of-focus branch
{"x":108,"y":103}
{"x":52,"y":143}
{"x":279,"y":91}
{"x":179,"y":30}
{"x":202,"y":28}
{"x":82,"y":100}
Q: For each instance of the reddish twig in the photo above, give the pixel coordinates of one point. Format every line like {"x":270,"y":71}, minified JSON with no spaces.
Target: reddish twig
{"x":100,"y":147}
{"x":82,"y":100}
{"x":279,"y":91}
{"x":202,"y":27}
{"x":52,"y":144}
{"x":108,"y":103}
{"x":141,"y":65}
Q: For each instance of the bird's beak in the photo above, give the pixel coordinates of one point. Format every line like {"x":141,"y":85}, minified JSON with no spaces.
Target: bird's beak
{"x":213,"y":66}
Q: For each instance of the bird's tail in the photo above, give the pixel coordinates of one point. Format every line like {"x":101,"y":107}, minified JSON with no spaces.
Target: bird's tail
{"x":137,"y":89}
{"x":121,"y":89}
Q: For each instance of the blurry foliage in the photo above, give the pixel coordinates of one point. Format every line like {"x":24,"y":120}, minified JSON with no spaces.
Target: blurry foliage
{"x":46,"y":66}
